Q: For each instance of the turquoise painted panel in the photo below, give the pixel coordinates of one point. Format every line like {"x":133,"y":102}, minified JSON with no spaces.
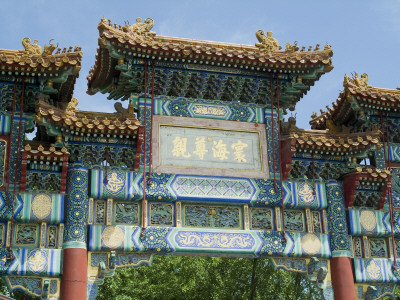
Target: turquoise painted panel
{"x":394,"y":152}
{"x":6,"y":209}
{"x":119,"y":184}
{"x":306,"y":194}
{"x":307,"y":245}
{"x":118,"y":237}
{"x":42,"y":207}
{"x":181,"y":107}
{"x":5,"y":124}
{"x":171,"y":187}
{"x":251,"y":243}
{"x":38,"y":262}
{"x":369,"y":222}
{"x":374,"y":270}
{"x":175,"y":187}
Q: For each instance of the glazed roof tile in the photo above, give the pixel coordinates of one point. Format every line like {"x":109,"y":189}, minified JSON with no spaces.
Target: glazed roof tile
{"x":88,"y":122}
{"x":19,"y":61}
{"x":357,"y":89}
{"x":150,"y":45}
{"x":324,"y":142}
{"x":39,"y":150}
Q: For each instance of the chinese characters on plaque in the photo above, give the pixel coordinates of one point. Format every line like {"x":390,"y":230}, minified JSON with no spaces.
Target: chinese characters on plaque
{"x":219,"y":149}
{"x":210,"y":148}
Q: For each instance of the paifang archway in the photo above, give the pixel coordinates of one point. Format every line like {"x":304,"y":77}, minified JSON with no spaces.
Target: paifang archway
{"x":201,"y":162}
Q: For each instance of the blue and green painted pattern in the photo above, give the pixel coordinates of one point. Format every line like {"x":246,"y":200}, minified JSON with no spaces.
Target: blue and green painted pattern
{"x":306,"y":194}
{"x":377,"y":223}
{"x":6,"y":207}
{"x":211,"y":109}
{"x":175,"y":187}
{"x":252,"y":243}
{"x":374,"y":270}
{"x":35,"y":262}
{"x":394,"y":152}
{"x":57,"y":209}
{"x":125,"y":238}
{"x":128,"y":185}
{"x":5,"y":124}
{"x":77,"y":203}
{"x":340,"y":241}
{"x":272,"y":143}
{"x":307,"y":245}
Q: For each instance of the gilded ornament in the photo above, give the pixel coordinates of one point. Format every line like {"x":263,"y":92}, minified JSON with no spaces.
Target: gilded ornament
{"x":291,"y":48}
{"x":48,"y":49}
{"x":141,"y":30}
{"x":368,"y":220}
{"x":115,"y":182}
{"x":41,"y":206}
{"x":373,"y":269}
{"x":71,"y":107}
{"x":310,"y":244}
{"x":31,"y":49}
{"x":112,"y":237}
{"x":306,"y":192}
{"x":37,"y":261}
{"x":267,"y":44}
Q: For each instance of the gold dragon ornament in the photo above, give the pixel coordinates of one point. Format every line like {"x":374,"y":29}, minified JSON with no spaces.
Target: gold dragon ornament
{"x":35,"y":49}
{"x":267,"y":43}
{"x":141,"y":29}
{"x":71,"y":107}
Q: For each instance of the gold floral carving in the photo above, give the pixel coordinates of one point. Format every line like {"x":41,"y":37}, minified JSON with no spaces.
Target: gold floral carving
{"x":41,"y":206}
{"x":373,"y":269}
{"x":113,"y":237}
{"x":368,"y":220}
{"x":306,"y":192}
{"x":310,"y":244}
{"x":37,"y":261}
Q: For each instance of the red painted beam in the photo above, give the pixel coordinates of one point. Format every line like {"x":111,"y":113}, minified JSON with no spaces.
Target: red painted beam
{"x":350,"y":185}
{"x":24,"y":162}
{"x":288,"y":148}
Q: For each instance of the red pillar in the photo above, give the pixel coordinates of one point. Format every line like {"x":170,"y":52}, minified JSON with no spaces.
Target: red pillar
{"x":74,"y":278}
{"x":342,"y":278}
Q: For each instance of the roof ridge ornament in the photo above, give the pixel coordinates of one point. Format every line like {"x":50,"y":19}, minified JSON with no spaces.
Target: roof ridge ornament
{"x":140,"y":29}
{"x":267,"y":44}
{"x":71,"y":107}
{"x":49,"y":49}
{"x":361,"y":82}
{"x":31,"y":49}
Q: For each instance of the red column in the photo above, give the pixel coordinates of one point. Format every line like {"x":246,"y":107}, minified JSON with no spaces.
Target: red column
{"x":342,"y":278}
{"x":74,"y":278}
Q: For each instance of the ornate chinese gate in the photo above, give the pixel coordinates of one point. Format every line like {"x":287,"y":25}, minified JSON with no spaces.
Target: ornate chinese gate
{"x":200,"y":162}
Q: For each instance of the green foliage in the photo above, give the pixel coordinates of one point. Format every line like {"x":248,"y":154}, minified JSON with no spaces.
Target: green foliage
{"x":188,"y":278}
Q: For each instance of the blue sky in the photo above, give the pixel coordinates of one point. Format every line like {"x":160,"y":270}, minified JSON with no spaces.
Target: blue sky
{"x":365,"y":35}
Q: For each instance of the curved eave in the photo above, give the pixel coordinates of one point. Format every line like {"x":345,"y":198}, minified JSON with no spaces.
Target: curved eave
{"x":115,"y":44}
